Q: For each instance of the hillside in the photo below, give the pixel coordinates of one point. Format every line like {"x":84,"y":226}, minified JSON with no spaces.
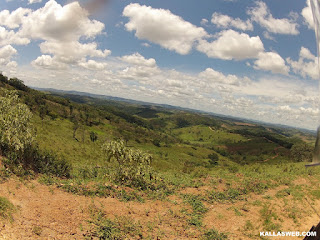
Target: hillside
{"x":193,"y":175}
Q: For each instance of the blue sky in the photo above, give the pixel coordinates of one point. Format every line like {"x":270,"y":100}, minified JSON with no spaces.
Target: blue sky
{"x":251,"y":59}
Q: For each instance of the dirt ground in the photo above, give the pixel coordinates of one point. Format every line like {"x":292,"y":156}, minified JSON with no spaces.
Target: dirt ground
{"x":46,"y":212}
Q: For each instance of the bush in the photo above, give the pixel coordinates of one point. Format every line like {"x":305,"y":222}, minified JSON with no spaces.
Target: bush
{"x":132,"y":166}
{"x":38,"y":161}
{"x":213,"y":158}
{"x":93,"y":136}
{"x":301,"y":152}
{"x":16,"y":132}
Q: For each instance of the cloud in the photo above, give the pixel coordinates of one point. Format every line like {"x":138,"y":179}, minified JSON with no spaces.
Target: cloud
{"x":60,"y":28}
{"x":306,"y":66}
{"x":139,"y":73}
{"x":307,"y":14}
{"x":162,"y":27}
{"x":146,"y":45}
{"x":306,"y":54}
{"x":271,"y":61}
{"x":60,"y":23}
{"x":10,"y":37}
{"x":204,"y":21}
{"x":232,"y":45}
{"x":137,"y":59}
{"x":48,"y":62}
{"x":34,"y":1}
{"x":261,"y":15}
{"x":14,"y":19}
{"x":214,"y":77}
{"x":224,"y":21}
{"x":93,"y":65}
{"x":6,"y":53}
{"x":73,"y":51}
{"x":287,"y":112}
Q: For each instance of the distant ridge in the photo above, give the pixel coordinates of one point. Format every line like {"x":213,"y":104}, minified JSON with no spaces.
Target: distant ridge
{"x":167,"y":106}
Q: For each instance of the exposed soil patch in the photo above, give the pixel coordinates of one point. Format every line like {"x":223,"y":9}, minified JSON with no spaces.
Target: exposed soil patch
{"x":45,"y":212}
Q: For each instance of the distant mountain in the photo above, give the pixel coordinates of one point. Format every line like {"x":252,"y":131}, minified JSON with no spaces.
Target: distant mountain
{"x":167,"y":106}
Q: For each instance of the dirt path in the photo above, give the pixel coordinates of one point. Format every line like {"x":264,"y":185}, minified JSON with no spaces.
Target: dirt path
{"x":276,"y":152}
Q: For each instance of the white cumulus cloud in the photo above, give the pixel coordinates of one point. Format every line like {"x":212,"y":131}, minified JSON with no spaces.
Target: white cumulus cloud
{"x":271,"y":61}
{"x":137,"y":59}
{"x":225,"y":21}
{"x":34,"y":1}
{"x":6,"y":53}
{"x":306,"y":66}
{"x":261,"y":14}
{"x":162,"y":27}
{"x":62,"y":31}
{"x":13,"y":19}
{"x":232,"y":45}
{"x":307,"y":14}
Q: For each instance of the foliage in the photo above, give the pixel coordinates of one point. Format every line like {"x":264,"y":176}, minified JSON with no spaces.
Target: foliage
{"x":15,"y":128}
{"x":301,"y":152}
{"x":198,"y":209}
{"x":38,"y":161}
{"x":6,"y":208}
{"x":213,"y":234}
{"x":132,"y":166}
{"x":93,"y":136}
{"x":213,"y":158}
{"x":156,"y":142}
{"x":104,"y":228}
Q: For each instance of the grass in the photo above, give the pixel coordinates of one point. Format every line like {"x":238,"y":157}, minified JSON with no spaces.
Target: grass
{"x":6,"y":209}
{"x":269,"y":218}
{"x":103,"y":227}
{"x":198,"y":209}
{"x":214,"y":234}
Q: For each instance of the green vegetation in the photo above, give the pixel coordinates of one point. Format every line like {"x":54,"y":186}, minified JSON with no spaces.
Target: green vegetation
{"x":6,"y":209}
{"x":132,"y":166}
{"x":213,"y":234}
{"x":104,"y":228}
{"x":15,"y":128}
{"x":198,"y":209}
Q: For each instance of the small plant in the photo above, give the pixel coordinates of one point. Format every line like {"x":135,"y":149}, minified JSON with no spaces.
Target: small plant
{"x":105,"y":228}
{"x":93,"y":136}
{"x":6,"y":209}
{"x":248,"y":226}
{"x":198,"y":209}
{"x":213,"y":234}
{"x":269,"y":217}
{"x":37,"y":230}
{"x":132,"y":166}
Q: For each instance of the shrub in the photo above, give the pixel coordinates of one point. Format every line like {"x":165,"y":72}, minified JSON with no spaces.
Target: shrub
{"x":16,"y":132}
{"x":93,"y":136}
{"x":301,"y":152}
{"x":37,"y":161}
{"x":213,"y":158}
{"x":132,"y":166}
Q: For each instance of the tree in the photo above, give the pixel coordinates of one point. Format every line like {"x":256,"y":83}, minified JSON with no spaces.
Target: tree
{"x":301,"y":152}
{"x":16,"y":132}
